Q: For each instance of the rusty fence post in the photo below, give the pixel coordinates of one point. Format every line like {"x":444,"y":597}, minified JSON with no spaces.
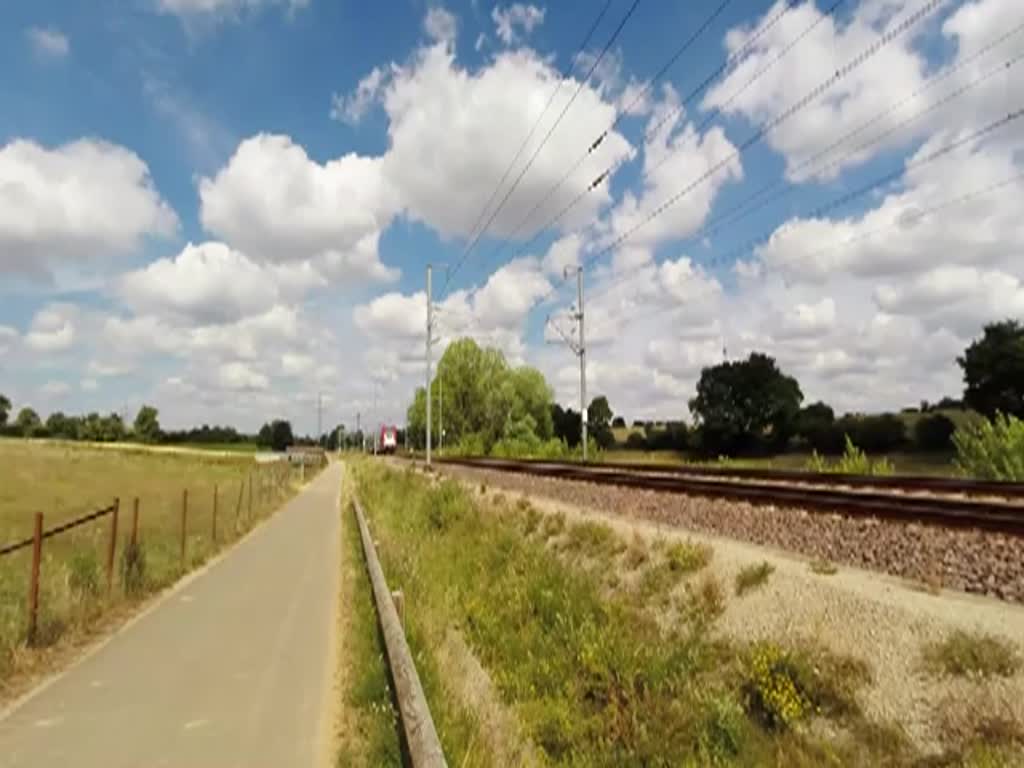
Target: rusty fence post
{"x":238,"y":507}
{"x":184,"y":523}
{"x":135,"y":522}
{"x":112,"y":548}
{"x":33,"y":586}
{"x":215,"y":515}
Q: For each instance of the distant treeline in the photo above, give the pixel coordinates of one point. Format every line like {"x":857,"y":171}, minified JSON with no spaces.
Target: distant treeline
{"x":112,"y":428}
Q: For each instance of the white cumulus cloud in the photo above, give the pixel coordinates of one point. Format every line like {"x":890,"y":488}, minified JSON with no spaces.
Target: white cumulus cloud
{"x":516,"y":21}
{"x":74,"y":203}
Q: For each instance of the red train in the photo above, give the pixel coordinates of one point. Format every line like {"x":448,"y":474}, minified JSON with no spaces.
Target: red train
{"x":388,"y":439}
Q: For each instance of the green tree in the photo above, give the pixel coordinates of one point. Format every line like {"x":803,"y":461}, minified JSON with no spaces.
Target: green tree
{"x":993,"y":369}
{"x":934,"y":433}
{"x":567,"y":425}
{"x":746,"y":405}
{"x":147,"y":424}
{"x":28,"y":422}
{"x":264,"y":438}
{"x":816,"y":424}
{"x":533,"y":398}
{"x":5,"y":408}
{"x":59,"y":425}
{"x":484,"y":400}
{"x":111,"y":428}
{"x":599,"y":419}
{"x":281,"y":434}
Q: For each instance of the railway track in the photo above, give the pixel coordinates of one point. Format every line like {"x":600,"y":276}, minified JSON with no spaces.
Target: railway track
{"x":938,"y":501}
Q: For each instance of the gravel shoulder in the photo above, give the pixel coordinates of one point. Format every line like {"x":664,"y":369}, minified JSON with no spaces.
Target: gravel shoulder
{"x":882,"y":619}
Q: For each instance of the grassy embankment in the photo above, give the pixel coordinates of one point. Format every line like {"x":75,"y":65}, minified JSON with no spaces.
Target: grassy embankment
{"x":370,"y":729}
{"x":64,"y":481}
{"x":570,"y":622}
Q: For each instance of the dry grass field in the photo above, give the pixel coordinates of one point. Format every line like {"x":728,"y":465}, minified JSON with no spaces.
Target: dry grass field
{"x":65,"y":481}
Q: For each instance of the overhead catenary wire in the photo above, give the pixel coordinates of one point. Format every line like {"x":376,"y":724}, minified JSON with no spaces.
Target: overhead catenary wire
{"x":717,"y":110}
{"x":529,"y":136}
{"x":896,"y":222}
{"x":775,"y":191}
{"x":529,"y":163}
{"x":767,"y":127}
{"x":620,"y":113}
{"x":774,"y":123}
{"x":848,"y":197}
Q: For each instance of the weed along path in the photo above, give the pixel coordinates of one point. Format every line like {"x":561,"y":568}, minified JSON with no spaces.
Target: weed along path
{"x":231,"y":668}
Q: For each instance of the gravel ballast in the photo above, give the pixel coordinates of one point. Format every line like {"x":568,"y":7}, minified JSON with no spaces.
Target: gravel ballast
{"x":968,"y":560}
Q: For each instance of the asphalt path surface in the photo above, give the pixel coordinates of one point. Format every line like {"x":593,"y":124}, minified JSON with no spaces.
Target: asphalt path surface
{"x":232,"y":668}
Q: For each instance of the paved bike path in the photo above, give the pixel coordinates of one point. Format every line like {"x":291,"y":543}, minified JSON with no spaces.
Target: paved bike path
{"x":232,"y":669}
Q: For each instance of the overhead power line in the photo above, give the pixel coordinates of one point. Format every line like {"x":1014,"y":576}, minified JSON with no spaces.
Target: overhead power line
{"x":776,"y":122}
{"x":536,"y":152}
{"x":766,"y":128}
{"x":775,"y":191}
{"x":897,"y":222}
{"x":620,"y":113}
{"x":714,"y":112}
{"x":554,"y":93}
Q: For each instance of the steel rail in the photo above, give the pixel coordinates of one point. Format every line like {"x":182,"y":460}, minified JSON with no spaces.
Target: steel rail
{"x":998,"y":516}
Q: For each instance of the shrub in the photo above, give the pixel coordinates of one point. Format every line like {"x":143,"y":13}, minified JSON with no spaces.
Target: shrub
{"x":992,"y":450}
{"x":687,"y":556}
{"x":934,"y":433}
{"x":84,"y":573}
{"x":753,"y":576}
{"x":967,"y":653}
{"x":771,"y":688}
{"x":636,"y":442}
{"x":878,"y":434}
{"x":826,"y":438}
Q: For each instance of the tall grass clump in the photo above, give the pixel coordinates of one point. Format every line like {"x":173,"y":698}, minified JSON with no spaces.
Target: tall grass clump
{"x":991,"y":450}
{"x":971,"y":654}
{"x":853,"y":462}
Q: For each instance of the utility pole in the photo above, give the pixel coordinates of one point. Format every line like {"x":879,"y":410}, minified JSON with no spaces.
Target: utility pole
{"x":359,"y":431}
{"x":579,"y":348}
{"x":430,"y":334}
{"x":319,"y":417}
{"x":376,"y":418}
{"x":583,"y":360}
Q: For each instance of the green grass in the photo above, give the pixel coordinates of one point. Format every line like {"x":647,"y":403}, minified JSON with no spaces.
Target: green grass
{"x":591,"y":676}
{"x":370,"y":728}
{"x":753,"y":576}
{"x":971,"y":654}
{"x":64,"y":481}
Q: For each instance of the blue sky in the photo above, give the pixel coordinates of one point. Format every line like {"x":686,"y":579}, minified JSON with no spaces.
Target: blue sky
{"x":224,"y":207}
